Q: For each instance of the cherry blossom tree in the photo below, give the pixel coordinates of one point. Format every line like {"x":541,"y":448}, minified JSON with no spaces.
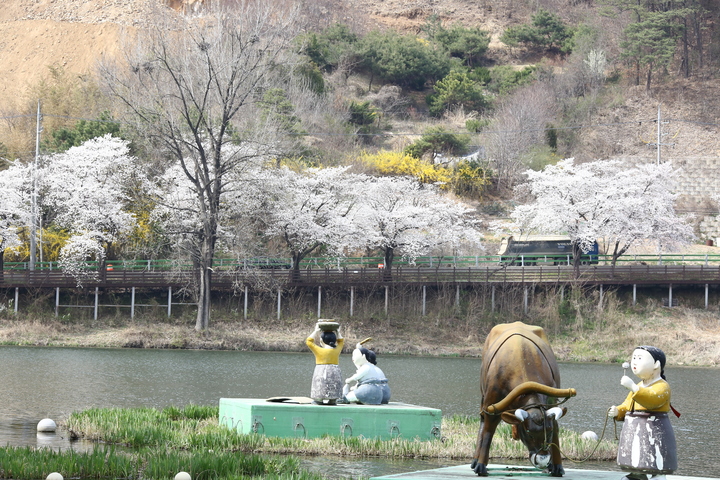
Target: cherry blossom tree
{"x":193,"y":89}
{"x":402,"y":216}
{"x":316,"y":208}
{"x":603,"y":200}
{"x":15,"y":205}
{"x":179,"y":212}
{"x":84,"y":191}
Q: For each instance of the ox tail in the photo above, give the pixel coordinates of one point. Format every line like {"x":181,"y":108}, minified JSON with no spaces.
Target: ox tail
{"x":528,"y":387}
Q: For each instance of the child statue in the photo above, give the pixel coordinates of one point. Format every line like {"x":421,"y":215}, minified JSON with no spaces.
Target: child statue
{"x":370,"y":384}
{"x":647,"y":441}
{"x":327,"y":344}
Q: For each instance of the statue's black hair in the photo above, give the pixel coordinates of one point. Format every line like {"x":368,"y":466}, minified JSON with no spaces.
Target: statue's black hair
{"x":369,"y":354}
{"x":657,"y":355}
{"x":329,"y":338}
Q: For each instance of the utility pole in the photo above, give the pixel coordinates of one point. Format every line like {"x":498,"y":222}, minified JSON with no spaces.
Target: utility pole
{"x":659,"y":136}
{"x":34,"y":206}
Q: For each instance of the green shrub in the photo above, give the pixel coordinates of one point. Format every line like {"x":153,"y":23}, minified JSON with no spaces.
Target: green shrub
{"x":505,"y":78}
{"x":84,"y":130}
{"x":476,"y":125}
{"x":277,"y":108}
{"x":468,"y":44}
{"x":403,"y":60}
{"x":456,"y":90}
{"x":312,"y":75}
{"x":327,"y":48}
{"x":438,"y":140}
{"x":546,"y":32}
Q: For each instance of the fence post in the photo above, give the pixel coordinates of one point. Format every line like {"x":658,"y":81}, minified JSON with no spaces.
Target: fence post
{"x":278,"y":303}
{"x":352,"y":299}
{"x":245,"y":303}
{"x":319,"y":300}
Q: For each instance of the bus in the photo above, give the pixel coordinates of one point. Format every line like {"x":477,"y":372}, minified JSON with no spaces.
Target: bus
{"x":530,"y":250}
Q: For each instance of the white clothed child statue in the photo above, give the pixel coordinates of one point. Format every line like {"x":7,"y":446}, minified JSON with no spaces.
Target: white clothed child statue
{"x":369,"y":385}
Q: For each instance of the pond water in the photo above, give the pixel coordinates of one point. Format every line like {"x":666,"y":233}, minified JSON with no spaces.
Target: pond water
{"x":46,"y":382}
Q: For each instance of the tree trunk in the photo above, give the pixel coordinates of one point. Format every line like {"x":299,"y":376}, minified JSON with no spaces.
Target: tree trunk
{"x":697,"y":28}
{"x":637,"y":73}
{"x":204,"y":279}
{"x":295,"y":271}
{"x":649,"y":75}
{"x":686,"y":50}
{"x":577,"y":253}
{"x":388,"y":258}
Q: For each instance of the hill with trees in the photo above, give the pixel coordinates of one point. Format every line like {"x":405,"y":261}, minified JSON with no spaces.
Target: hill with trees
{"x":287,"y":129}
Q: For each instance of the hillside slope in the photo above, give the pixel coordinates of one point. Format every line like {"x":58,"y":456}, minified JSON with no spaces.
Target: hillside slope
{"x":74,"y":34}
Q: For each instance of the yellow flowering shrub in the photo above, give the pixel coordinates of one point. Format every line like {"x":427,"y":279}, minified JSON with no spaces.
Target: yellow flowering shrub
{"x":398,"y":163}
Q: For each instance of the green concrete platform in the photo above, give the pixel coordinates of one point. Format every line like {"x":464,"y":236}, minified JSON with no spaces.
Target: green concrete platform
{"x":510,"y":472}
{"x":253,"y":415}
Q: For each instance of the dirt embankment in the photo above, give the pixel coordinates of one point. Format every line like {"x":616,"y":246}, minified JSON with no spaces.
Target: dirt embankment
{"x":688,"y":336}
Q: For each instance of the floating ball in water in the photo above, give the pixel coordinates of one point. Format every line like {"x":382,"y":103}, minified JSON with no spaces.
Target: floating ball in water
{"x":183,"y":476}
{"x":54,"y":476}
{"x":46,"y":425}
{"x":589,"y":435}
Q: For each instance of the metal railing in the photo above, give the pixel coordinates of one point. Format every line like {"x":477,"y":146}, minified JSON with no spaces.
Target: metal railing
{"x":594,"y":274}
{"x":339,"y":263}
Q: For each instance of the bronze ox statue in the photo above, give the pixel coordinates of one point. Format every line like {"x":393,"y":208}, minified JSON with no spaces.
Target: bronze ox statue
{"x":520,"y":384}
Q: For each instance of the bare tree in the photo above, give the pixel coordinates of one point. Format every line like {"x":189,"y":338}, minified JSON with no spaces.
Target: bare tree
{"x":192,"y":92}
{"x":519,"y":124}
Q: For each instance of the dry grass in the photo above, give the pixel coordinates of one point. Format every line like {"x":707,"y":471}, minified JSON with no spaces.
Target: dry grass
{"x":580,"y":327}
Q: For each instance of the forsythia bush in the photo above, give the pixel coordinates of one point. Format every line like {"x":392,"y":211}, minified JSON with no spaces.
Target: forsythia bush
{"x":466,"y":178}
{"x":398,"y":163}
{"x":470,"y":178}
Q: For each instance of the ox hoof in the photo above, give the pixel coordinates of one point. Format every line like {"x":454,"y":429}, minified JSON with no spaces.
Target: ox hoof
{"x":479,"y":468}
{"x":556,"y":470}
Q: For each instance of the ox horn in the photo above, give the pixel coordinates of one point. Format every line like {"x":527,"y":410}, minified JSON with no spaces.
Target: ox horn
{"x":521,"y":414}
{"x":502,"y":405}
{"x":556,"y":412}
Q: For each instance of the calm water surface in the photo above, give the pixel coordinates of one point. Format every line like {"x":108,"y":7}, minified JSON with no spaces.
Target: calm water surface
{"x":40,"y":382}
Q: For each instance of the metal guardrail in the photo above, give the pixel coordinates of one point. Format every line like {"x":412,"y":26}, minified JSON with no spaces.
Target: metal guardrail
{"x":591,"y":275}
{"x":339,"y":263}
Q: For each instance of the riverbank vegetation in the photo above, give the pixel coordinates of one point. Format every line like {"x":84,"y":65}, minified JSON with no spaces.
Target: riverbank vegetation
{"x":27,"y":463}
{"x":151,"y":444}
{"x":581,"y":328}
{"x":196,"y":428}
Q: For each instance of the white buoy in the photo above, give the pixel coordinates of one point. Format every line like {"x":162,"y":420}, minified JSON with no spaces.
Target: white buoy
{"x":46,"y":425}
{"x":54,"y":476}
{"x":183,"y":476}
{"x":589,"y":435}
